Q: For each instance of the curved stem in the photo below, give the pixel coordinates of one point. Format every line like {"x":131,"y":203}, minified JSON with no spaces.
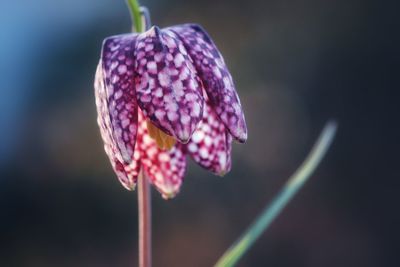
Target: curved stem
{"x":136,"y":16}
{"x":144,"y":210}
{"x":271,"y":211}
{"x":145,"y":16}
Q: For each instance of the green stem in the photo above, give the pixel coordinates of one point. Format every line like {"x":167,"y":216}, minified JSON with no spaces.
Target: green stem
{"x":136,"y":16}
{"x":271,"y":211}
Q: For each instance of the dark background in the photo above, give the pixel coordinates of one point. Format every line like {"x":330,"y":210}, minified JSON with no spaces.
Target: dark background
{"x":296,"y":65}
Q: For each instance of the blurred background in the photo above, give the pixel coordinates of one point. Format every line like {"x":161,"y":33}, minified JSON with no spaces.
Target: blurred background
{"x":296,"y":65}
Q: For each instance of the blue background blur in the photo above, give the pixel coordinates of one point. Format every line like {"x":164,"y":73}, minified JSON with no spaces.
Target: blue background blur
{"x":296,"y":64}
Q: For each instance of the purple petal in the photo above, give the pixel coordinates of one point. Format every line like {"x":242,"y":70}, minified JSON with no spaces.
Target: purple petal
{"x":117,"y":64}
{"x":168,"y":88}
{"x":216,"y":78}
{"x":210,"y":145}
{"x":164,"y":168}
{"x":126,"y":172}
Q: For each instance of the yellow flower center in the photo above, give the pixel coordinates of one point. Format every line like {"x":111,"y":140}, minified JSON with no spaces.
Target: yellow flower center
{"x":163,"y":140}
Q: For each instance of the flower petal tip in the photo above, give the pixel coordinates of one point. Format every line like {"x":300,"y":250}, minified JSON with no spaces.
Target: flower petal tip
{"x":225,"y":169}
{"x":183,"y":137}
{"x":222,"y":173}
{"x":130,"y":187}
{"x":169,"y":196}
{"x":242,"y":137}
{"x":154,"y":31}
{"x":168,"y":191}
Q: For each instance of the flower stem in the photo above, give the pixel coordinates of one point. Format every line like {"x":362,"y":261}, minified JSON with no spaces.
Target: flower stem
{"x":141,"y":22}
{"x":144,"y":210}
{"x":271,"y":211}
{"x":136,"y":16}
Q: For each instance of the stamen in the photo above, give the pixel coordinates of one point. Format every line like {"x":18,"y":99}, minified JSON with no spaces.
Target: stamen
{"x":163,"y":140}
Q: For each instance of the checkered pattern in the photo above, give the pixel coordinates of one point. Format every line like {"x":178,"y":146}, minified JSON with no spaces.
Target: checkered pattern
{"x":168,"y":88}
{"x":216,"y":78}
{"x":176,"y":79}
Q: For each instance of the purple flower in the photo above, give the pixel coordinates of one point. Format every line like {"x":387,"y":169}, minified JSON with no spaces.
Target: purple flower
{"x":163,"y":94}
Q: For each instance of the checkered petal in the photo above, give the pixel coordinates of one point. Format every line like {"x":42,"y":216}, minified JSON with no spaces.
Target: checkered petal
{"x":210,"y":145}
{"x":126,"y":172}
{"x":164,"y":168}
{"x":215,"y":76}
{"x":117,"y":65}
{"x":168,"y":88}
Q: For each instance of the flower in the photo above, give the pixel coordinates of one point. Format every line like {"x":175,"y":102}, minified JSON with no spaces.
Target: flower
{"x":163,"y":94}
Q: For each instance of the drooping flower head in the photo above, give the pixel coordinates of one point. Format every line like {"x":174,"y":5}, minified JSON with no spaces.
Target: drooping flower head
{"x":160,"y":95}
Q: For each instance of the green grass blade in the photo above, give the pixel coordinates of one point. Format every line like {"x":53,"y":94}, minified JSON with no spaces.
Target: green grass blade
{"x":271,"y":211}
